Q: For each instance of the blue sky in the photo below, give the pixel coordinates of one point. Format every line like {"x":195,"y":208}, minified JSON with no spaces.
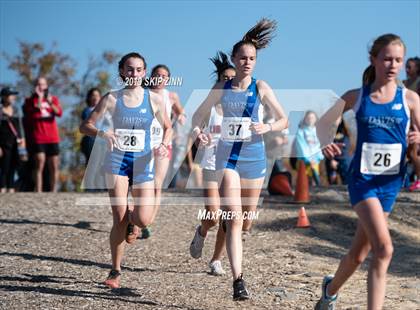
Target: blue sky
{"x":319,"y":44}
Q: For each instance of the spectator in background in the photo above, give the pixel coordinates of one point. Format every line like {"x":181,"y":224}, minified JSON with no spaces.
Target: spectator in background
{"x":92,"y":99}
{"x":276,"y":151}
{"x":12,"y":144}
{"x":40,"y":111}
{"x":95,"y":150}
{"x":340,"y":164}
{"x":179,"y":168}
{"x":276,"y":143}
{"x":412,"y":69}
{"x":308,"y":148}
{"x":194,"y":158}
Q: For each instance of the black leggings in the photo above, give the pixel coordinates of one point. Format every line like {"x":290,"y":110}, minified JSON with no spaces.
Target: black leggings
{"x":8,"y":165}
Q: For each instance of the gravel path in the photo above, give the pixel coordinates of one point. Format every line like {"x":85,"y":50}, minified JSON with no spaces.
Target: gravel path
{"x":54,"y":254}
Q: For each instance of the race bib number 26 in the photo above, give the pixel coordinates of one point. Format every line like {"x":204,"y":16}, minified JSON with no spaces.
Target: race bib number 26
{"x":130,"y":140}
{"x":380,"y":159}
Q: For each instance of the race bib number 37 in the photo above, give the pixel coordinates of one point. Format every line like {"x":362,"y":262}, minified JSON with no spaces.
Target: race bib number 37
{"x":130,"y":140}
{"x":380,"y":159}
{"x":236,"y":129}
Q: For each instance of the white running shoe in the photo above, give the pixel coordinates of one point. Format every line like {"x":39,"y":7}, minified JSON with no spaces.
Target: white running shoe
{"x":196,"y":246}
{"x":326,"y":302}
{"x":216,"y":268}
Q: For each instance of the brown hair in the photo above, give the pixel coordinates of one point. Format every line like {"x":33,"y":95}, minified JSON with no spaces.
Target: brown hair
{"x":416,"y":61}
{"x":259,"y":36}
{"x":90,"y":93}
{"x":307,"y":113}
{"x":377,"y":46}
{"x":160,"y":66}
{"x":126,"y":57}
{"x":41,"y":77}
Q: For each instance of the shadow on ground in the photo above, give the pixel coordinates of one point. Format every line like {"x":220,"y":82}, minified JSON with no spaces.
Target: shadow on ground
{"x":338,"y":230}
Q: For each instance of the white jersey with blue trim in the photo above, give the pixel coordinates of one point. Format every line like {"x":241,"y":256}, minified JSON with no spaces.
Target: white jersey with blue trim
{"x":214,"y":129}
{"x":156,"y":128}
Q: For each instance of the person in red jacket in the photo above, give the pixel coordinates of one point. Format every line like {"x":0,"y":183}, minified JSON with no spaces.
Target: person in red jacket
{"x":40,"y":111}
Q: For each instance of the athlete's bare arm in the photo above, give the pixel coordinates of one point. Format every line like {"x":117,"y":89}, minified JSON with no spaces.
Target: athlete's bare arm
{"x":162,"y":117}
{"x":201,"y":115}
{"x":268,"y":98}
{"x":177,"y":107}
{"x":107,"y":103}
{"x":413,"y":101}
{"x":328,"y":123}
{"x":204,"y":109}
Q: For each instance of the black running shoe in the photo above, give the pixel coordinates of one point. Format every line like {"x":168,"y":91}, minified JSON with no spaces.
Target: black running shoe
{"x":223,"y":223}
{"x":132,"y":233}
{"x":239,"y":290}
{"x":113,"y":280}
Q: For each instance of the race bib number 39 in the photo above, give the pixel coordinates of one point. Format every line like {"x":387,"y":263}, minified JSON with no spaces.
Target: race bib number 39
{"x":236,"y":129}
{"x":156,"y":133}
{"x":130,"y":140}
{"x":380,"y":158}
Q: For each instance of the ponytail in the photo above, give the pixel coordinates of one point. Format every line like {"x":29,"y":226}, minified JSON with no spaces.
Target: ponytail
{"x":369,"y":75}
{"x":221,"y":62}
{"x":259,"y":36}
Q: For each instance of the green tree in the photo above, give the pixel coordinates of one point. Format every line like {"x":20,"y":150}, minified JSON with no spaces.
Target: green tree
{"x":33,"y":60}
{"x":97,"y":75}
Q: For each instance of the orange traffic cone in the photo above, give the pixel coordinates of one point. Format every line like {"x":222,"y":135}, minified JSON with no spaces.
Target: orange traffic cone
{"x":303,"y":220}
{"x":279,"y":184}
{"x":302,"y":184}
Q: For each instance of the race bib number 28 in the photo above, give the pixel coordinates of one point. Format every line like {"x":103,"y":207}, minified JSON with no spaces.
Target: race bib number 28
{"x":236,"y":129}
{"x":380,"y":159}
{"x":130,"y":140}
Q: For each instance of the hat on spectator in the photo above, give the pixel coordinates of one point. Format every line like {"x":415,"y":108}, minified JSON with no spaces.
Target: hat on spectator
{"x":7,"y":91}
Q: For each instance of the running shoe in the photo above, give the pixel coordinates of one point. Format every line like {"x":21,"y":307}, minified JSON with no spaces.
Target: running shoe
{"x":239,"y":290}
{"x":113,"y":280}
{"x":196,"y":246}
{"x":224,"y":225}
{"x":246,"y":235}
{"x":146,"y":232}
{"x":326,"y":302}
{"x":216,"y":268}
{"x":415,"y":186}
{"x":132,"y":233}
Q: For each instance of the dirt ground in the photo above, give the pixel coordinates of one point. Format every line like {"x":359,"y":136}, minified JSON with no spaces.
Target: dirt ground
{"x":54,"y":254}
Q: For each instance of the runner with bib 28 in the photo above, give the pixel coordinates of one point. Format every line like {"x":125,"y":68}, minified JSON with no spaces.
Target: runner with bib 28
{"x":129,"y":159}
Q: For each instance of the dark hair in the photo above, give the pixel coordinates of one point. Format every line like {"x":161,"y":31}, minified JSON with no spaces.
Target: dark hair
{"x":126,"y":57}
{"x":160,"y":66}
{"x":303,"y":121}
{"x":377,"y":46}
{"x":416,"y":60}
{"x":221,"y":63}
{"x":259,"y":36}
{"x":90,"y":93}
